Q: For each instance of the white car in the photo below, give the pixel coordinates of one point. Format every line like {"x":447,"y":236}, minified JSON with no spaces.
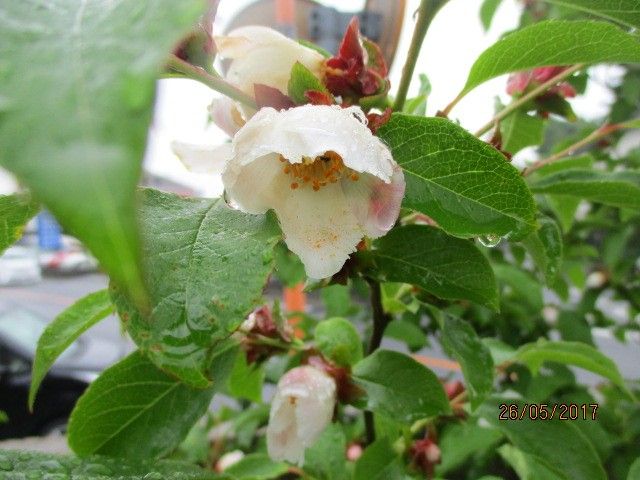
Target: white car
{"x":19,"y":266}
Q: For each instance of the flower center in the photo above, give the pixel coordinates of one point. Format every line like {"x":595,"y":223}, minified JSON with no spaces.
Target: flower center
{"x":318,"y":172}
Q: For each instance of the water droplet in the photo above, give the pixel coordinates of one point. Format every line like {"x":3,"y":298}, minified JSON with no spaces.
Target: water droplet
{"x":97,"y":469}
{"x":267,"y":257}
{"x":52,"y":466}
{"x":153,"y":476}
{"x":490,"y":240}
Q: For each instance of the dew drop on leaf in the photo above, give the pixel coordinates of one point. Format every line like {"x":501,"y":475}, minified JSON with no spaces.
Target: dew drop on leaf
{"x":153,"y":476}
{"x":97,"y":469}
{"x":490,"y":240}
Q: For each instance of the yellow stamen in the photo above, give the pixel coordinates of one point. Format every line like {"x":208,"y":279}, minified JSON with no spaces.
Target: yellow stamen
{"x":318,"y":172}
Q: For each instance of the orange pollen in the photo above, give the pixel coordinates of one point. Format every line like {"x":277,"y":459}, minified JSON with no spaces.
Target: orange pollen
{"x":319,"y":171}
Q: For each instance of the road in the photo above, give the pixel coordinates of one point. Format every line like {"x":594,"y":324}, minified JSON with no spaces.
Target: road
{"x":52,"y":295}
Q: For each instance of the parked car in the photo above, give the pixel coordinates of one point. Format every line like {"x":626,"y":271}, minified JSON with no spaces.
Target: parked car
{"x":68,"y":378}
{"x":19,"y":266}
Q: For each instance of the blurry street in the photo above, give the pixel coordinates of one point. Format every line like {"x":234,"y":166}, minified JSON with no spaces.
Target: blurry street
{"x":53,"y":294}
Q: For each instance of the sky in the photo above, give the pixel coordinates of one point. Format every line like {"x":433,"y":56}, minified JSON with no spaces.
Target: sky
{"x":455,"y":39}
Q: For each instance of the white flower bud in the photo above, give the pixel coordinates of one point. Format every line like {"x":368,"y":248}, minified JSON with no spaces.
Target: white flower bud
{"x":301,"y":409}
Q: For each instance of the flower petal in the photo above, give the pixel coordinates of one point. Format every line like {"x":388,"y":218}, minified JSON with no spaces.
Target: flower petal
{"x":253,"y":188}
{"x":262,"y":55}
{"x":375,"y":204}
{"x":319,"y":227}
{"x":312,"y":130}
{"x":301,"y":409}
{"x":203,"y":158}
{"x":225,"y":114}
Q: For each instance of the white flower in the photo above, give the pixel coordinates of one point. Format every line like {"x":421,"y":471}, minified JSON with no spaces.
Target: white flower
{"x":262,"y":55}
{"x":329,"y":179}
{"x":301,"y":409}
{"x":228,"y":459}
{"x":258,"y":55}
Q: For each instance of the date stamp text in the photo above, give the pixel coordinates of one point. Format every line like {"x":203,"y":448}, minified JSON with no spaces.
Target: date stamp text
{"x":543,"y":411}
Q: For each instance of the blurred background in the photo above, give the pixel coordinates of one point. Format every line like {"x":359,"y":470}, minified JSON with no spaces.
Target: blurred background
{"x":48,"y":270}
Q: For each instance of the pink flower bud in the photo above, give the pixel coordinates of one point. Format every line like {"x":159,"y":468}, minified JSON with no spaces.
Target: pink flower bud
{"x":544,"y":74}
{"x":301,"y":409}
{"x":518,"y":83}
{"x":354,"y":452}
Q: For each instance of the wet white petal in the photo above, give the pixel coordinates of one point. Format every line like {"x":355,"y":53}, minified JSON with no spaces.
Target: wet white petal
{"x":251,"y":187}
{"x":312,"y":130}
{"x":203,"y":158}
{"x":263,"y":55}
{"x":375,"y":203}
{"x":301,"y":409}
{"x":319,"y":227}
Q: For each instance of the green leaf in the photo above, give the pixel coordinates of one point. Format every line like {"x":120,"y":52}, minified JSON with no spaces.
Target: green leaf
{"x":461,"y":341}
{"x":520,"y":130}
{"x":17,"y":464}
{"x":521,"y":284}
{"x":257,"y":466}
{"x":78,"y":80}
{"x":133,"y":410}
{"x":3,"y":417}
{"x":399,"y":387}
{"x":338,"y":340}
{"x":464,"y":184}
{"x":378,"y":462}
{"x":477,"y":440}
{"x":545,"y":247}
{"x":500,"y":351}
{"x":626,"y":12}
{"x":583,"y":162}
{"x":563,"y":206}
{"x":576,"y":459}
{"x":570,"y":353}
{"x":618,"y":189}
{"x":337,"y":301}
{"x":301,"y":81}
{"x":63,"y":331}
{"x":288,"y":267}
{"x":634,"y":471}
{"x":15,"y":211}
{"x":245,"y":381}
{"x":488,"y":10}
{"x":407,"y":332}
{"x":418,"y":104}
{"x":207,"y":266}
{"x":448,"y":267}
{"x":554,"y":42}
{"x":526,"y":466}
{"x":325,"y":459}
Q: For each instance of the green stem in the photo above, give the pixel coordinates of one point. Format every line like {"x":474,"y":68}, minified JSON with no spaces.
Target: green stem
{"x":217,"y":83}
{"x":380,"y":322}
{"x":426,"y":11}
{"x":513,"y":106}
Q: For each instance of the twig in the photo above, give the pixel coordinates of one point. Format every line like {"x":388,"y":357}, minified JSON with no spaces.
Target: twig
{"x":603,"y":131}
{"x":380,"y":322}
{"x":216,"y":83}
{"x":513,"y":106}
{"x":426,"y":11}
